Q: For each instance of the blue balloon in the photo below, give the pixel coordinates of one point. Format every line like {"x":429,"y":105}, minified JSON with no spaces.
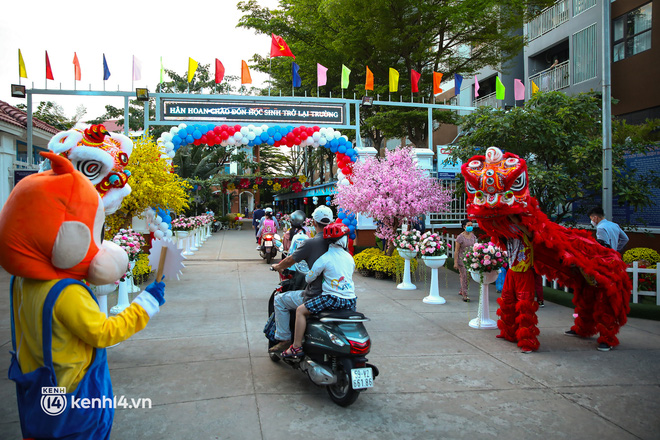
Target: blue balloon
{"x":341,"y":149}
{"x":189,"y":139}
{"x":354,"y":159}
{"x":210,"y":127}
{"x":277,"y":136}
{"x":197,"y":134}
{"x":346,"y":221}
{"x":352,"y":236}
{"x":190,"y":129}
{"x":350,"y":152}
{"x":199,"y":127}
{"x":354,"y":221}
{"x":351,"y":228}
{"x":341,"y":215}
{"x":167,"y":219}
{"x":271,"y":141}
{"x":328,"y":203}
{"x":176,"y":147}
{"x":332,"y":149}
{"x":264,"y":136}
{"x":328,"y":199}
{"x":183,"y":133}
{"x":341,"y":141}
{"x":334,"y":143}
{"x":271,"y":131}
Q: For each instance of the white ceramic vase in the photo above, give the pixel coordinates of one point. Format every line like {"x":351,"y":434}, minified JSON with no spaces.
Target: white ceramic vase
{"x":407,"y":255}
{"x":434,"y":263}
{"x":483,"y":321}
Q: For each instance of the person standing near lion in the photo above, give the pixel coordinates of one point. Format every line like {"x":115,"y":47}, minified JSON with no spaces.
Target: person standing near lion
{"x":59,"y":334}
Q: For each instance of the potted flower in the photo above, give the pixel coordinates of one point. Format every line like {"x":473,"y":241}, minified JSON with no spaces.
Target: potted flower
{"x":130,"y":241}
{"x":484,"y":261}
{"x":434,"y":253}
{"x":407,"y":243}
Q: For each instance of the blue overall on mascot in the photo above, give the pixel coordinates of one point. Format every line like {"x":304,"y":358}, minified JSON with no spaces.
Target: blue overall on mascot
{"x":51,"y":238}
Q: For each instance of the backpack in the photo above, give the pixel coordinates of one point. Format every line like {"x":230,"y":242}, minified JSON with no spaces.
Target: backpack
{"x":269,"y":227}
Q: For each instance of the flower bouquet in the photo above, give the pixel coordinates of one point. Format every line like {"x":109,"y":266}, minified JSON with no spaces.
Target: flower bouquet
{"x":183,"y":224}
{"x":485,"y":257}
{"x":408,"y":241}
{"x":432,"y":245}
{"x":130,"y":241}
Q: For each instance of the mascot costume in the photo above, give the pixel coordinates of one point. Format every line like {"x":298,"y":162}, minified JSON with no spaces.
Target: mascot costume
{"x":51,"y":238}
{"x":498,"y":199}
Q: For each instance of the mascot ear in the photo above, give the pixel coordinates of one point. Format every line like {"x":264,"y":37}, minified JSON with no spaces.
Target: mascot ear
{"x":59,"y":164}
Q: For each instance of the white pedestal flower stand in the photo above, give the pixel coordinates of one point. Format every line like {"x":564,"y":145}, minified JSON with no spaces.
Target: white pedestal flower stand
{"x":483,"y":321}
{"x":122,"y":297}
{"x":406,"y":255}
{"x":193,"y":241}
{"x":185,"y":237}
{"x":198,"y":237}
{"x":132,"y":288}
{"x":208,"y":230}
{"x":434,"y":263}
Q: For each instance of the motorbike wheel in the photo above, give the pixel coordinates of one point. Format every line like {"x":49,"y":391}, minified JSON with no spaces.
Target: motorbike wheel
{"x":269,"y":258}
{"x":273,"y":357}
{"x":342,"y":393}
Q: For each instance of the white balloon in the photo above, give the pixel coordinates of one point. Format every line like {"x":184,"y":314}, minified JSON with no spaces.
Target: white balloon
{"x":345,"y":138}
{"x":174,"y":131}
{"x":345,"y":182}
{"x":238,"y":135}
{"x":251,"y":135}
{"x":169,"y":146}
{"x":230,"y":141}
{"x":182,"y":126}
{"x":244,"y":130}
{"x":323,"y":141}
{"x":323,"y":131}
{"x":257,"y":131}
{"x":264,"y":128}
{"x":152,"y":227}
{"x":337,"y":135}
{"x":166,"y":136}
{"x":316,"y":136}
{"x":245,"y":141}
{"x":159,"y":234}
{"x":168,"y":233}
{"x":163,"y":226}
{"x":171,"y":154}
{"x":159,"y":219}
{"x":251,"y":127}
{"x":340,"y":176}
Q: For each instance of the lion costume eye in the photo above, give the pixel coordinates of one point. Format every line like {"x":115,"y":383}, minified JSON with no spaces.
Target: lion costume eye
{"x":469,"y":188}
{"x":520,"y":183}
{"x":90,"y":168}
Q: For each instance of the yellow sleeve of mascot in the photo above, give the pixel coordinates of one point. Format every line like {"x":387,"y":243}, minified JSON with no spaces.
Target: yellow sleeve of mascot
{"x":78,"y":327}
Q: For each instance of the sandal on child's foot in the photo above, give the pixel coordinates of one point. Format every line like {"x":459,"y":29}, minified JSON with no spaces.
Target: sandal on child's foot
{"x":292,"y":352}
{"x":466,"y":299}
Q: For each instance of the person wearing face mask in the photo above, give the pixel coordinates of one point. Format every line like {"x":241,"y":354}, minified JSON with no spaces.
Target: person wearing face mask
{"x":607,"y":231}
{"x":464,"y":242}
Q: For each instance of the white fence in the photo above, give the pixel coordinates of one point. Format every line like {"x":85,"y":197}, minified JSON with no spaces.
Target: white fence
{"x":555,"y":78}
{"x":548,"y":19}
{"x":636,"y":270}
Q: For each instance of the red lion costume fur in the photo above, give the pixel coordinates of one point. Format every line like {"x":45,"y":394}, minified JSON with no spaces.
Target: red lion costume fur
{"x":496,"y":187}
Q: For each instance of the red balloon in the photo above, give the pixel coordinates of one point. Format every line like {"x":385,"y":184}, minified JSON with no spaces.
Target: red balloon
{"x":224,"y":135}
{"x":303,"y":135}
{"x":297,"y":141}
{"x":289,"y":143}
{"x":237,"y":128}
{"x":211,"y":141}
{"x":197,"y":141}
{"x":290,"y":136}
{"x":309,"y":131}
{"x":340,"y":156}
{"x":217,"y":129}
{"x":316,"y":128}
{"x":224,"y":127}
{"x":203,"y":139}
{"x":346,"y":171}
{"x":296,"y":131}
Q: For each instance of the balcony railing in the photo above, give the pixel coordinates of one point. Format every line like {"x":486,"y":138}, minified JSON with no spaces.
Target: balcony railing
{"x":549,"y":19}
{"x":554,"y":78}
{"x":488,"y":101}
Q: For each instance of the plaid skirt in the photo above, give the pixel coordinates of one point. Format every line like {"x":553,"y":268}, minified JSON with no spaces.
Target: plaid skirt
{"x":329,"y":302}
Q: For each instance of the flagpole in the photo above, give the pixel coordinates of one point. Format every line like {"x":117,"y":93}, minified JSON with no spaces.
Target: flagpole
{"x":270,"y":66}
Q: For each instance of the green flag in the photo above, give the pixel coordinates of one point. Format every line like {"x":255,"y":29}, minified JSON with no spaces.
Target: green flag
{"x":499,"y":88}
{"x":161,"y":69}
{"x":345,"y":73}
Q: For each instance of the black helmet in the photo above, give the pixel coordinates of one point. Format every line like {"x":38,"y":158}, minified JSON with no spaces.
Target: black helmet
{"x":297,"y":218}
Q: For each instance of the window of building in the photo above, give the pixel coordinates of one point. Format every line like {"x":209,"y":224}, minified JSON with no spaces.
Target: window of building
{"x":579,"y":6}
{"x":632,"y":33}
{"x":584,"y":54}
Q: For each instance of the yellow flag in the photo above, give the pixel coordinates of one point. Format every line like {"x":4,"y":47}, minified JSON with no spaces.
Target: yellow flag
{"x":21,"y":66}
{"x":394,"y":80}
{"x":535,"y":88}
{"x":192,"y":68}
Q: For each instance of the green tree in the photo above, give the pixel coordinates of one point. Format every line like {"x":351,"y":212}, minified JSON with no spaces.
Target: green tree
{"x":425,"y":35}
{"x":53,"y":114}
{"x":560,"y":138}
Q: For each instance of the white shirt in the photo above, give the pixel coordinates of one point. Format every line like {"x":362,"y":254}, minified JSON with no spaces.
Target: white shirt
{"x":337,"y":267}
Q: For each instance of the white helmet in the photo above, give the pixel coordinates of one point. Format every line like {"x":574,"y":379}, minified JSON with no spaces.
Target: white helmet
{"x":269,"y":209}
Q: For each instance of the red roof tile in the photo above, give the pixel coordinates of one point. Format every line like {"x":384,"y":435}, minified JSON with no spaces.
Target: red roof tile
{"x":17,"y":117}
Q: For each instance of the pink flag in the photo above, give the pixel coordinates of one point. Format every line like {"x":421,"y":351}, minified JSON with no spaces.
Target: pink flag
{"x":519,"y":90}
{"x":476,"y":87}
{"x":137,"y":69}
{"x":321,"y":74}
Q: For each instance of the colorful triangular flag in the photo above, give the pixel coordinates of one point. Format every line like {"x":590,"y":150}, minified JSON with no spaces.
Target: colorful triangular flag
{"x":106,"y":70}
{"x":297,"y":81}
{"x":137,"y":69}
{"x":414,"y":80}
{"x":394,"y":80}
{"x":458,"y":80}
{"x":500,"y":90}
{"x":437,"y":80}
{"x":21,"y":66}
{"x":49,"y":71}
{"x":345,"y":74}
{"x":476,"y":87}
{"x":279,"y":48}
{"x":192,"y":68}
{"x":76,"y":67}
{"x":535,"y":88}
{"x":518,"y":90}
{"x":321,"y":75}
{"x":369,"y":83}
{"x":219,"y":71}
{"x":245,"y":73}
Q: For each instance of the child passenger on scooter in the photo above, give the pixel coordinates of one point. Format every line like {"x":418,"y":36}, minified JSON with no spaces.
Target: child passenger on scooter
{"x":338,"y":292}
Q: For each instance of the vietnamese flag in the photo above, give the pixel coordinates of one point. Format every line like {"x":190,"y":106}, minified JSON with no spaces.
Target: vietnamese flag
{"x":414,"y":80}
{"x":279,"y":48}
{"x":76,"y":67}
{"x":219,"y":71}
{"x":49,"y":71}
{"x":245,"y":73}
{"x":369,"y":84}
{"x":437,"y":80}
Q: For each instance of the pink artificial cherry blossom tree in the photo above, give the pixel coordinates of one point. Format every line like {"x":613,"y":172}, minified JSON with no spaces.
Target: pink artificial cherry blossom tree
{"x":390,"y":190}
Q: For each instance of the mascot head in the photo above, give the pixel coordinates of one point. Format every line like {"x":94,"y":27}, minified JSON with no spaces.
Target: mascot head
{"x":51,"y":227}
{"x":101,"y":156}
{"x":496,"y":184}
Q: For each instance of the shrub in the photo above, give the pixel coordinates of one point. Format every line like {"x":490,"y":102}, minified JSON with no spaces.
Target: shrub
{"x":638,"y":254}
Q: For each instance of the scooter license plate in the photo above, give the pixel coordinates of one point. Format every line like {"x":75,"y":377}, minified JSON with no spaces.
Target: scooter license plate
{"x":269,"y":244}
{"x":362,"y":378}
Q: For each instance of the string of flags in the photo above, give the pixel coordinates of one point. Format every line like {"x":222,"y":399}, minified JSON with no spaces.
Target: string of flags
{"x":279,"y":48}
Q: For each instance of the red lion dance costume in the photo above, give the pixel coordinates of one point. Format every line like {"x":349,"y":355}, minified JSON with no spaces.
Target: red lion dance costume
{"x":496,"y":187}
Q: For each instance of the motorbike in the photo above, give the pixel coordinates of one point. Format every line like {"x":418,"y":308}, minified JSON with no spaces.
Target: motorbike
{"x":335,"y":346}
{"x":269,"y":246}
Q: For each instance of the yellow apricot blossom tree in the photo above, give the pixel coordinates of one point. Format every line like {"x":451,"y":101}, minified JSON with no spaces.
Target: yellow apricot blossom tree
{"x":153,"y":184}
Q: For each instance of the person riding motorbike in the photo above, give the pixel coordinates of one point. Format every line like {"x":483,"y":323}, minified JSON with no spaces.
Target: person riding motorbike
{"x":297,"y":219}
{"x":338,"y":290}
{"x":268,"y":225}
{"x":309,"y":250}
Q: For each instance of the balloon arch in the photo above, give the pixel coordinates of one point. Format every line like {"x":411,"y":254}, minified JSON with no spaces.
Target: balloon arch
{"x":254,"y":135}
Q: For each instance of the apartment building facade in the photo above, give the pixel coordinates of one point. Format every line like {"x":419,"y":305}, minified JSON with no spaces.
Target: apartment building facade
{"x":564,"y":52}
